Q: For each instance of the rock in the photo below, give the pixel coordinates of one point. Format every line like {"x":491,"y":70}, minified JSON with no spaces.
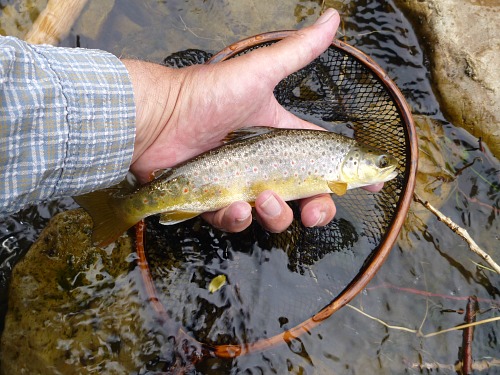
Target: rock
{"x":74,"y":308}
{"x":463,"y":45}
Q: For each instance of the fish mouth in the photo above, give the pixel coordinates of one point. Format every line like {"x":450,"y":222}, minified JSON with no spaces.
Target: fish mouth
{"x":390,"y":173}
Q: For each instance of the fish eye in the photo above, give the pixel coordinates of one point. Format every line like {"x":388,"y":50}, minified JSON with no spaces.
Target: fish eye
{"x":382,"y":161}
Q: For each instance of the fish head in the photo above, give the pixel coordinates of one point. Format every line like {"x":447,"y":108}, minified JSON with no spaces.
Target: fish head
{"x":364,"y":165}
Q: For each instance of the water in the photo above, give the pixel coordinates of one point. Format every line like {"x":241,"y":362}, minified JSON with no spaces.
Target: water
{"x":425,"y":283}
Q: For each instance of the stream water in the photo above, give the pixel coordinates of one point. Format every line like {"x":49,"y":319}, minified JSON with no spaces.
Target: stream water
{"x":424,"y":285}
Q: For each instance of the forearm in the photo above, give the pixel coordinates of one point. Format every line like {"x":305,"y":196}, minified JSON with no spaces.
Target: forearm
{"x":67,"y":122}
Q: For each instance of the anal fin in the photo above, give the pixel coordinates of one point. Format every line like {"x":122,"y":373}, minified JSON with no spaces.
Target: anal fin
{"x":174,"y":217}
{"x":338,"y":188}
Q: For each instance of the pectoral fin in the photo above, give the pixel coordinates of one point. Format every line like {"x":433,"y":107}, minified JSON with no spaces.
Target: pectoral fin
{"x":338,"y":188}
{"x":174,"y":217}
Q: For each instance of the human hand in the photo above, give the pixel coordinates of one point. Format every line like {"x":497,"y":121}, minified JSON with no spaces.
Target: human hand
{"x":184,"y":112}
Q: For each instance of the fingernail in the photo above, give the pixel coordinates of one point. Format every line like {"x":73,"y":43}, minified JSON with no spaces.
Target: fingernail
{"x":271,"y":206}
{"x":325,"y":16}
{"x":241,"y":212}
{"x":321,"y":217}
{"x":243,"y":218}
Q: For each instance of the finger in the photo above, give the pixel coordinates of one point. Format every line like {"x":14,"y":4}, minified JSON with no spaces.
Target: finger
{"x":296,"y":51}
{"x":273,"y":213}
{"x":317,"y":211}
{"x":233,"y":218}
{"x":374,"y":188}
{"x":141,"y":176}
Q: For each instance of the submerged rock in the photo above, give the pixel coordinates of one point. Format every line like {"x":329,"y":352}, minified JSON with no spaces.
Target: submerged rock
{"x":464,"y":48}
{"x":75,"y":308}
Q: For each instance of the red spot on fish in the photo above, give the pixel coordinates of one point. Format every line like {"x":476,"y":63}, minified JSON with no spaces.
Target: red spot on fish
{"x":186,"y":190}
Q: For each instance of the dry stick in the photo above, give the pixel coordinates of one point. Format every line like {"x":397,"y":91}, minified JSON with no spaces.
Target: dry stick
{"x":468,"y":335}
{"x":425,"y":335}
{"x":55,"y":21}
{"x":460,"y":231}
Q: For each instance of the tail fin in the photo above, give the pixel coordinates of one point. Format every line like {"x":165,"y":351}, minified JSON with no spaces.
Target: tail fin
{"x":110,"y":221}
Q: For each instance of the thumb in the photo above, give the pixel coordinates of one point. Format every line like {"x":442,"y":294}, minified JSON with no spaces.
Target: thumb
{"x":299,"y":49}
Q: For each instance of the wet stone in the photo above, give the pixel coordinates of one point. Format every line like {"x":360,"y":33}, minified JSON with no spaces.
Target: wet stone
{"x":75,"y":308}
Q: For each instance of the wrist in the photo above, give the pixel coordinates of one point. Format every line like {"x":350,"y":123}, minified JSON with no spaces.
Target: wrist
{"x":156,"y":89}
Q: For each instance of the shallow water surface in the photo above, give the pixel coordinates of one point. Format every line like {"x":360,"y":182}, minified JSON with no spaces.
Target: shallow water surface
{"x":422,"y":288}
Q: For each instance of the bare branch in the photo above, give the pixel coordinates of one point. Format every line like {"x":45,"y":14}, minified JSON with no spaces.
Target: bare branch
{"x":460,"y":231}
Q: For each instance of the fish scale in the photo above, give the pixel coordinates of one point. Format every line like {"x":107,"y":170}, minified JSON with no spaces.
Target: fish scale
{"x":294,"y":163}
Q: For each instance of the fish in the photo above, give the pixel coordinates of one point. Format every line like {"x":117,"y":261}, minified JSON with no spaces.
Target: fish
{"x":294,"y":163}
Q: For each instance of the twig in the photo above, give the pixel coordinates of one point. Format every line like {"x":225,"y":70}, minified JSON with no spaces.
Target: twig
{"x":427,"y":335}
{"x":477,"y":201}
{"x":458,"y":172}
{"x":468,"y":336}
{"x":482,"y":266}
{"x":460,"y":231}
{"x":426,"y":308}
{"x":399,"y":328}
{"x":187,"y":28}
{"x":462,"y":326}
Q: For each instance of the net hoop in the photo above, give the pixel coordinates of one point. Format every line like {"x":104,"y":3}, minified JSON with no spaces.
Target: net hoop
{"x":380,"y":254}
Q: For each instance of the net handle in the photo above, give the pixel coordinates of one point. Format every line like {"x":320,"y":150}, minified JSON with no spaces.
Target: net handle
{"x":380,"y":255}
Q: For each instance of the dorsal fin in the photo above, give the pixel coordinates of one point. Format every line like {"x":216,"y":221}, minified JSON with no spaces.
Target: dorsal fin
{"x":245,"y":133}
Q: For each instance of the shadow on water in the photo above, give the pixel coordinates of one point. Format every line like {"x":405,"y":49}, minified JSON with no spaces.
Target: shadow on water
{"x":426,"y":281}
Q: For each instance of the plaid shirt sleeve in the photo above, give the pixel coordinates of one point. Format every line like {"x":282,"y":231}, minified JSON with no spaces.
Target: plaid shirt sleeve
{"x":67,"y":122}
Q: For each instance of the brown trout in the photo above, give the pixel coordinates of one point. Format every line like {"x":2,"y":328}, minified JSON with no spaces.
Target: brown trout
{"x":295,"y":163}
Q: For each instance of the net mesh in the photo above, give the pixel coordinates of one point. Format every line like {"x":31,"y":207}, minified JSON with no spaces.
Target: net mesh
{"x":276,"y":281}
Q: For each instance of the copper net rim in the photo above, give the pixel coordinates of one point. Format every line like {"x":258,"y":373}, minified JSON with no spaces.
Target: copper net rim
{"x":379,"y":255}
